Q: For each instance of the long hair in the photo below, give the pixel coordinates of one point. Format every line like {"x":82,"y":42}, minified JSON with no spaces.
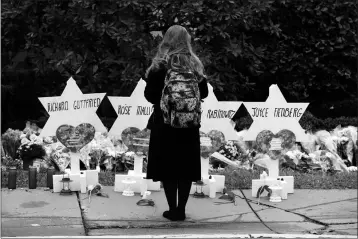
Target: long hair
{"x":176,"y":52}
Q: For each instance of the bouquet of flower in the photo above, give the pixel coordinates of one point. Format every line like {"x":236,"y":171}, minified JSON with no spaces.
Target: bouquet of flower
{"x":10,"y":142}
{"x":31,"y":147}
{"x":320,"y":160}
{"x":8,"y":162}
{"x":126,"y":160}
{"x":295,"y":155}
{"x":119,"y":146}
{"x":57,"y":155}
{"x":31,"y":128}
{"x":229,"y":150}
{"x":100,"y":151}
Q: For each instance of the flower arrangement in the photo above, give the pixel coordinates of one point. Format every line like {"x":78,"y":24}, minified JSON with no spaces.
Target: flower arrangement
{"x":57,"y":156}
{"x":127,"y":160}
{"x":9,"y":162}
{"x":101,"y":151}
{"x":10,"y":142}
{"x":19,"y":147}
{"x":31,"y":128}
{"x":229,"y":150}
{"x":31,"y":147}
{"x":322,"y":160}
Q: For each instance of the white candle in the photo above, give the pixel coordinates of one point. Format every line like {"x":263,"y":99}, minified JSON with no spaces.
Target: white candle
{"x":143,"y":186}
{"x":138,"y":164}
{"x":212,"y":188}
{"x":204,"y":167}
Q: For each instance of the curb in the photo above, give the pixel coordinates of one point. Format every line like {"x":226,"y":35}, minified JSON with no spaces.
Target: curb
{"x":207,"y":236}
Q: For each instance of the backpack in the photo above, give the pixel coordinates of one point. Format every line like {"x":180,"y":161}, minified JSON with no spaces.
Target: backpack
{"x":180,"y":101}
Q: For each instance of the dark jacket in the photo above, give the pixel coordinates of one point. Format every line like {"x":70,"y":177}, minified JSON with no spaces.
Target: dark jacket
{"x":153,"y":93}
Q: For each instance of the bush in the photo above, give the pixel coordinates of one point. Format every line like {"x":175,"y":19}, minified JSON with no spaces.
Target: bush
{"x":308,"y":122}
{"x":311,"y":123}
{"x":315,"y":180}
{"x":307,"y":47}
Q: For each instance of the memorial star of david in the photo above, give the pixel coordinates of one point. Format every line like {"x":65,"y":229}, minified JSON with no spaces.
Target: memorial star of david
{"x":72,"y":108}
{"x":216,"y":115}
{"x":275,"y":114}
{"x":132,"y":111}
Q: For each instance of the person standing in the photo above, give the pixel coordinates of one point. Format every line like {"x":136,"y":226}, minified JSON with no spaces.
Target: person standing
{"x":176,"y":86}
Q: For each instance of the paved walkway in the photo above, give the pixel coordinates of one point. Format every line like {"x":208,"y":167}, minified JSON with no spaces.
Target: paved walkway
{"x":310,"y":212}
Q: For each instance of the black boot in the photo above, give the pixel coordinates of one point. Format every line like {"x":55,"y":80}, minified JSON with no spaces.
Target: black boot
{"x":170,"y":189}
{"x":183,"y":195}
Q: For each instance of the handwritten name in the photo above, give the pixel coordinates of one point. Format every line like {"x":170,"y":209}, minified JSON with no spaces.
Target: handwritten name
{"x":77,"y":104}
{"x":219,"y":114}
{"x":260,"y":112}
{"x":88,"y":103}
{"x":124,"y":109}
{"x":278,"y":112}
{"x":145,"y":110}
{"x":287,"y":112}
{"x":57,"y":106}
{"x":141,"y":110}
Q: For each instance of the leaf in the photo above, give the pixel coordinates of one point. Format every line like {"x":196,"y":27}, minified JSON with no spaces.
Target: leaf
{"x":47,"y":52}
{"x":95,"y":68}
{"x":79,"y":70}
{"x":338,"y":19}
{"x":20,"y":56}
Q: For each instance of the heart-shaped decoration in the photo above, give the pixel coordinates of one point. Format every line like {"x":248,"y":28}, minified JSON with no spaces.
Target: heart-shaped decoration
{"x":210,"y":142}
{"x":75,"y":138}
{"x":265,"y":138}
{"x":136,"y":140}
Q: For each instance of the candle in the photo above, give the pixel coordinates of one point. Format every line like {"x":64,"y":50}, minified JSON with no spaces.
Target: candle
{"x":138,"y":165}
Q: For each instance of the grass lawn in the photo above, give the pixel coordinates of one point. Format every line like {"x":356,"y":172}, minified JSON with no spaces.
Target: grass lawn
{"x":241,"y":178}
{"x":313,"y":180}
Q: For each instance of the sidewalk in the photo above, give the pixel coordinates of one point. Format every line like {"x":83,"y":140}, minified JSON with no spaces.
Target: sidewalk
{"x":42,"y":213}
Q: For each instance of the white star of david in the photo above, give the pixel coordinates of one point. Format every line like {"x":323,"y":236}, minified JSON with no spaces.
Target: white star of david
{"x":275,"y":114}
{"x":132,"y":111}
{"x":217,"y":115}
{"x":80,"y":108}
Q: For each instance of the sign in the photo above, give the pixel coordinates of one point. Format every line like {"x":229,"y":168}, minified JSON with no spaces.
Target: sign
{"x":276,"y":144}
{"x":132,"y":111}
{"x":72,"y":108}
{"x":275,"y":115}
{"x":217,"y":115}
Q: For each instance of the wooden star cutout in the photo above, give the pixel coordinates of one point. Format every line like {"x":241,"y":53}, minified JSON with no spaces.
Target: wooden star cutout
{"x":72,"y":108}
{"x":275,"y":114}
{"x":216,"y":115}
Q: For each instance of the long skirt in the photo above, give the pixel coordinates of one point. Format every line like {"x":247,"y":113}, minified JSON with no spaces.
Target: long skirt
{"x":174,"y":154}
